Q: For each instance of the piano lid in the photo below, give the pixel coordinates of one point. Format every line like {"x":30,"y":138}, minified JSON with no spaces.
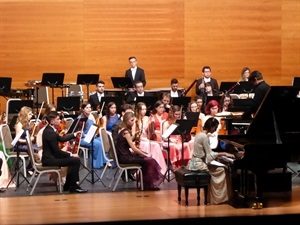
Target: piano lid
{"x":278,"y":116}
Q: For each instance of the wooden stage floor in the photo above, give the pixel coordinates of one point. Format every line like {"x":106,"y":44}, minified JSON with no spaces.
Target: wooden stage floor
{"x":128,"y":205}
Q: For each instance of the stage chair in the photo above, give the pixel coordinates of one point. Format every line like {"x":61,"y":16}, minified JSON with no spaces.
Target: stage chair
{"x":106,"y":149}
{"x":9,"y":115}
{"x":6,"y":138}
{"x":75,"y":90}
{"x":123,"y":167}
{"x":69,"y":121}
{"x":39,"y":169}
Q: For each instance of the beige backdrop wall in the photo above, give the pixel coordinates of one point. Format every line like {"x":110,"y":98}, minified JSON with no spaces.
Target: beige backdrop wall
{"x":170,"y":38}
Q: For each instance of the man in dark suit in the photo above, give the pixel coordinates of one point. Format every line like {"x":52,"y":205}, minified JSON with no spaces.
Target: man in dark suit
{"x":260,"y":91}
{"x":200,"y":84}
{"x":54,"y":156}
{"x":174,"y":89}
{"x":135,"y":73}
{"x":95,"y":99}
{"x":138,"y":91}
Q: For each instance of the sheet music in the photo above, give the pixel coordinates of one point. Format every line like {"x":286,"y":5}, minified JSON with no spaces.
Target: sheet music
{"x":14,"y":142}
{"x":216,"y":163}
{"x":91,"y":133}
{"x":170,"y":130}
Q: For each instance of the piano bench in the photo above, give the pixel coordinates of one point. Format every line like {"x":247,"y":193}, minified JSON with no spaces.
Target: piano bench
{"x":192,"y":179}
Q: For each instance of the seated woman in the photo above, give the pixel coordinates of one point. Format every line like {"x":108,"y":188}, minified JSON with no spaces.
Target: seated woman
{"x":111,"y":116}
{"x":128,"y":153}
{"x":202,"y":159}
{"x":175,"y":141}
{"x":146,"y":145}
{"x":5,"y":176}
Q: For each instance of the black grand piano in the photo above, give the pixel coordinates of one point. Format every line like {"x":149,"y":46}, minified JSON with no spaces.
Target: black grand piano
{"x":269,"y":140}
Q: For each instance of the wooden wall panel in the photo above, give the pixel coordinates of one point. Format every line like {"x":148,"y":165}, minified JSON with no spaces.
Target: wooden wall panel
{"x":170,"y":38}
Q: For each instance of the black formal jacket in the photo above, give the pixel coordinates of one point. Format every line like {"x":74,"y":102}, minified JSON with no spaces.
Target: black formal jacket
{"x":131,"y":96}
{"x":94,"y":100}
{"x":260,"y":91}
{"x":51,"y":151}
{"x":139,"y":75}
{"x":214,"y":84}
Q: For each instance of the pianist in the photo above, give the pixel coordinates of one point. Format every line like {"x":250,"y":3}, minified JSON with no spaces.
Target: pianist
{"x":261,"y":88}
{"x":203,"y":158}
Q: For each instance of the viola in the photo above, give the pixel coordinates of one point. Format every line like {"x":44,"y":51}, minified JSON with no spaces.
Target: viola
{"x":77,"y":140}
{"x":151,"y":128}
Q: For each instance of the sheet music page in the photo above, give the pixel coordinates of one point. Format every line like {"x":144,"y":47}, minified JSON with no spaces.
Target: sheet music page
{"x":216,"y":163}
{"x":170,"y":130}
{"x":14,"y":142}
{"x":91,"y":133}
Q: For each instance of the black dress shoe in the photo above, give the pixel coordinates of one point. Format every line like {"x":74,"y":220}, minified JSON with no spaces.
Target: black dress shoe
{"x":78,"y":190}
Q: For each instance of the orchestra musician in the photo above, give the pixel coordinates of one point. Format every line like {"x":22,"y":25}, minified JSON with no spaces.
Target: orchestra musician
{"x":95,"y":146}
{"x":146,"y":145}
{"x":53,"y":156}
{"x":138,"y":91}
{"x":95,"y":98}
{"x":175,"y":140}
{"x":166,"y":99}
{"x":22,"y":125}
{"x":174,"y":92}
{"x":200,"y":84}
{"x":158,"y":115}
{"x":111,"y":116}
{"x":203,"y":158}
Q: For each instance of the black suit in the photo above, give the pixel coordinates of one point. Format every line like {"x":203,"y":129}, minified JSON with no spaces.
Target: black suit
{"x":94,"y":100}
{"x":54,"y":156}
{"x":131,"y":96}
{"x":214,"y":84}
{"x":260,"y":92}
{"x":139,"y":75}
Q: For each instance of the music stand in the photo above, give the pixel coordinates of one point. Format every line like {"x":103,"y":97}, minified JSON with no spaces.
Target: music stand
{"x":89,"y":138}
{"x":225,"y":86}
{"x":5,"y":86}
{"x":193,"y":116}
{"x":117,"y":100}
{"x":296,"y":82}
{"x":148,"y":100}
{"x":182,"y":101}
{"x":244,"y":87}
{"x":53,"y":80}
{"x":87,"y":79}
{"x":184,"y":128}
{"x":68,"y":103}
{"x":17,"y":173}
{"x":166,"y":135}
{"x":122,"y":82}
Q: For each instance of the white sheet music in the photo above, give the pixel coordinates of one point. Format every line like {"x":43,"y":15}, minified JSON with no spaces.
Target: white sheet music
{"x":14,"y":142}
{"x":91,"y":133}
{"x":170,"y":130}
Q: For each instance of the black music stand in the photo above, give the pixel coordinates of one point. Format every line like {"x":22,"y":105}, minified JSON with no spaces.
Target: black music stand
{"x":87,"y":79}
{"x":184,"y":128}
{"x":53,"y":80}
{"x":227,"y":85}
{"x":182,"y":101}
{"x":5,"y":86}
{"x":296,"y":82}
{"x":244,"y":87}
{"x":117,"y":100}
{"x":148,"y":100}
{"x":122,"y":82}
{"x":15,"y":144}
{"x":68,"y":103}
{"x":90,"y":139}
{"x":193,"y":116}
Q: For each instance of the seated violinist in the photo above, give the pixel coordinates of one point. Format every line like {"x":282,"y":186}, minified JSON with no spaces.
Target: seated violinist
{"x":22,"y":125}
{"x":157,"y":116}
{"x":175,"y":141}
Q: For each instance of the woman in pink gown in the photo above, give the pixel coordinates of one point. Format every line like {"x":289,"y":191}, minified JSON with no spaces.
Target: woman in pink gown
{"x":152,"y":147}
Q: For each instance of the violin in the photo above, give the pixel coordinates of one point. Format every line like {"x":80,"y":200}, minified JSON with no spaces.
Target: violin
{"x":33,"y":129}
{"x":77,"y":140}
{"x":99,"y":121}
{"x":138,"y":134}
{"x":151,"y":129}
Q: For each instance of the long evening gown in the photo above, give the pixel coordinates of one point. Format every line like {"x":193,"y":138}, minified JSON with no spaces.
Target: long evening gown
{"x":152,"y":176}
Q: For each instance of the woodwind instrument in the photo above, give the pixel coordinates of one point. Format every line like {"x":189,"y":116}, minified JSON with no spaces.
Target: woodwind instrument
{"x":33,"y":133}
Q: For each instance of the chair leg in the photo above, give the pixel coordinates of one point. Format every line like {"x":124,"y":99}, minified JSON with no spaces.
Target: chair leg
{"x":104,"y":169}
{"x":118,"y":179}
{"x":24,"y":166}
